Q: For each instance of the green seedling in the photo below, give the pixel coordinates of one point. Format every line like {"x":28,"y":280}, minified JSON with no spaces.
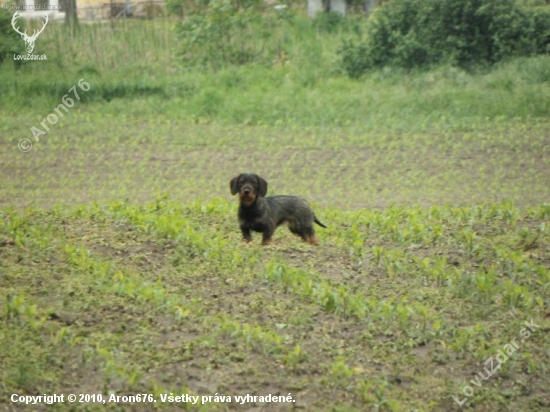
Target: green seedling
{"x":341,"y":372}
{"x":294,"y":358}
{"x":19,"y":311}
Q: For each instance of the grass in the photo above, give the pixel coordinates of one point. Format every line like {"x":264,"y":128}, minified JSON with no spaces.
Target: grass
{"x":121,"y":261}
{"x":302,"y":83}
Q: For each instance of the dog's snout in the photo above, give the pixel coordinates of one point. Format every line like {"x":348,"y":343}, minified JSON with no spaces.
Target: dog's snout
{"x":246,"y":191}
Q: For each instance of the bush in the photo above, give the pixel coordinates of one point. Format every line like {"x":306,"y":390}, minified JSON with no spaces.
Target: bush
{"x":230,"y":33}
{"x":354,"y":58}
{"x":541,"y":22}
{"x":466,"y":33}
{"x":10,"y":41}
{"x":328,"y":22}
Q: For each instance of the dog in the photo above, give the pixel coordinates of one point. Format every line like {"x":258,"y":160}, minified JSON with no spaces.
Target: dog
{"x":264,"y":214}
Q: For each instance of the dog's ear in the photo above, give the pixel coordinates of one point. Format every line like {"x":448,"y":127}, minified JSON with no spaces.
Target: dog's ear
{"x":234,"y":185}
{"x":262,"y":186}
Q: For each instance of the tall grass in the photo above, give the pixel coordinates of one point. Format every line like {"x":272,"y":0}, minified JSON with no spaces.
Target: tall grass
{"x":136,"y":66}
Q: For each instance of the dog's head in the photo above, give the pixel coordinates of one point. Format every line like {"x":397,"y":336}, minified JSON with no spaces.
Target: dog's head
{"x":249,"y":186}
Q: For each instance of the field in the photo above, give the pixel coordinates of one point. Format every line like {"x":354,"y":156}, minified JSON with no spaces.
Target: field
{"x":122,"y":267}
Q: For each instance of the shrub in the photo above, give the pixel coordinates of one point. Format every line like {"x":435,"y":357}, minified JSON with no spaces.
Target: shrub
{"x":10,"y":41}
{"x":541,"y":22}
{"x":354,"y":58}
{"x":467,"y":33}
{"x":232,"y":33}
{"x":328,"y":22}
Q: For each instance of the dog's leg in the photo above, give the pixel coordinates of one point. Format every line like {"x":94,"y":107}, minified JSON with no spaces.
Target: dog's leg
{"x":247,"y":237}
{"x":267,"y":234}
{"x":312,"y":240}
{"x":307,"y":233}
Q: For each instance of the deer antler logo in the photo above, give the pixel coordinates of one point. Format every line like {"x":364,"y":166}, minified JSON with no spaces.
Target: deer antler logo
{"x":29,"y":40}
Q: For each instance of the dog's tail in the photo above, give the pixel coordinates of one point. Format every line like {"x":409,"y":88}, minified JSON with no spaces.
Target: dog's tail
{"x":318,"y":222}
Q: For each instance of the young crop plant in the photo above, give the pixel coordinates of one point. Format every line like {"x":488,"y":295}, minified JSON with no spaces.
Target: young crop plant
{"x":528,"y":240}
{"x":372,"y":392}
{"x":292,"y":281}
{"x":341,"y":373}
{"x":355,"y":240}
{"x":378,"y":253}
{"x":67,"y":336}
{"x":394,"y":262}
{"x":514,"y":295}
{"x":511,"y":262}
{"x":436,"y":232}
{"x":16,"y":309}
{"x":485,"y":281}
{"x":294,"y":358}
{"x":330,"y":298}
{"x":182,"y":312}
{"x":543,"y":277}
{"x":253,"y":335}
{"x":433,"y":271}
{"x":117,"y":369}
{"x":468,"y":237}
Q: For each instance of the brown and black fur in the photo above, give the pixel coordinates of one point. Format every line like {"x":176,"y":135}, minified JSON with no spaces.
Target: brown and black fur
{"x":264,"y":214}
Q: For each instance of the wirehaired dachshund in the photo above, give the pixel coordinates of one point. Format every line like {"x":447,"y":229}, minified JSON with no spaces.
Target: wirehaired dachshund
{"x":264,"y":214}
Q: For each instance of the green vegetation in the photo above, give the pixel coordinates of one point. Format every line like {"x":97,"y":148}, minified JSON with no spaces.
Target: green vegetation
{"x":469,"y":33}
{"x":136,"y":67}
{"x":121,"y":265}
{"x":9,"y":39}
{"x":164,"y":298}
